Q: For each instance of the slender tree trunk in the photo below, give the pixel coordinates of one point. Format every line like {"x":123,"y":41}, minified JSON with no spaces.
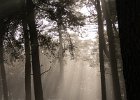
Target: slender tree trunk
{"x":34,"y":52}
{"x":27,"y":61}
{"x":3,"y":73}
{"x":60,"y":26}
{"x":35,"y":58}
{"x":0,"y":87}
{"x":101,"y":56}
{"x":113,"y":61}
{"x":59,"y":79}
{"x":60,"y":51}
{"x":105,"y":48}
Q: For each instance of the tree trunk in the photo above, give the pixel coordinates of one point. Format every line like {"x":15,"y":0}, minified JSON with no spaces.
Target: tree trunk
{"x":35,"y":58}
{"x":113,"y":61}
{"x":59,"y":79}
{"x":105,"y":48}
{"x":129,"y":29}
{"x":34,"y":52}
{"x":101,"y":56}
{"x":27,"y":61}
{"x":60,"y":26}
{"x":60,"y":51}
{"x":3,"y":73}
{"x":0,"y":87}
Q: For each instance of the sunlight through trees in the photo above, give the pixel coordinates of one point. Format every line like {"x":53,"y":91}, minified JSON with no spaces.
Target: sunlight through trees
{"x":60,"y":50}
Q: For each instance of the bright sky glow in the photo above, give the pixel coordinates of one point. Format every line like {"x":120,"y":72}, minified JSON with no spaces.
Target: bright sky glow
{"x":85,"y":11}
{"x":88,"y":32}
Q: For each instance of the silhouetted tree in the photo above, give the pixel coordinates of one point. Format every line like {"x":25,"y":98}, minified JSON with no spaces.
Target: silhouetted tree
{"x":61,"y":12}
{"x":129,"y":23}
{"x":113,"y":60}
{"x":101,"y":48}
{"x":3,"y":73}
{"x":0,"y":87}
{"x":105,"y":47}
{"x":34,"y":51}
{"x":27,"y":60}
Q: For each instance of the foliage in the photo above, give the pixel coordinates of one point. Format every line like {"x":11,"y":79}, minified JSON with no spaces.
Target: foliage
{"x":62,"y":12}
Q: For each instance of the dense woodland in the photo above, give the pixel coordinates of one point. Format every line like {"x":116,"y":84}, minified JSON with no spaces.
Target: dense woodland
{"x":69,"y":50}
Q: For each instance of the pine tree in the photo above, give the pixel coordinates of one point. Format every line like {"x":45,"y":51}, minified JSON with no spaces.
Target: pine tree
{"x":101,"y":47}
{"x":27,"y":60}
{"x":34,"y":51}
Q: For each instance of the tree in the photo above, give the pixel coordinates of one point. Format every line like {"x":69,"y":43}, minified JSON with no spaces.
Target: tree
{"x":62,"y":13}
{"x":128,"y":19}
{"x":113,"y":61}
{"x":0,"y":86}
{"x":101,"y":42}
{"x":34,"y":51}
{"x":65,"y":18}
{"x":105,"y":47}
{"x":27,"y":60}
{"x":3,"y":73}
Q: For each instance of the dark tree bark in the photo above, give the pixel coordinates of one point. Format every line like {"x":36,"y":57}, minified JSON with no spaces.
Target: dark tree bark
{"x":129,"y":29}
{"x":35,"y":58}
{"x":3,"y":73}
{"x":113,"y":60}
{"x":103,"y":39}
{"x":101,"y":47}
{"x":27,"y":61}
{"x":0,"y":87}
{"x":34,"y":51}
